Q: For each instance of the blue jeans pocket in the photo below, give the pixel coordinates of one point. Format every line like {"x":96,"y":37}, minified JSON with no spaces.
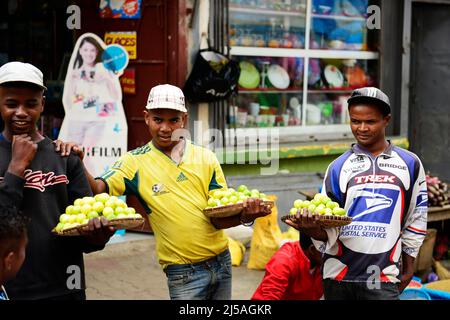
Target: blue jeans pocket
{"x":178,"y":280}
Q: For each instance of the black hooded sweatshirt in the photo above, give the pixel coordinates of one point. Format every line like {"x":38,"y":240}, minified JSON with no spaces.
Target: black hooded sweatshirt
{"x":53,"y":265}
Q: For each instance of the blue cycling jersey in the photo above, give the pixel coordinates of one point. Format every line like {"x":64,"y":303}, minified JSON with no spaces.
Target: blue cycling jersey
{"x":387,"y":198}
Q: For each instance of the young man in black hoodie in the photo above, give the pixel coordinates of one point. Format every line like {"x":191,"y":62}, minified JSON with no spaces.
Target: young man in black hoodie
{"x":41,"y":183}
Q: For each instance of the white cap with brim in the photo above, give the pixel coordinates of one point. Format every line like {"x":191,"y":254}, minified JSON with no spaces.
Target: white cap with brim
{"x":166,"y":96}
{"x":24,"y":72}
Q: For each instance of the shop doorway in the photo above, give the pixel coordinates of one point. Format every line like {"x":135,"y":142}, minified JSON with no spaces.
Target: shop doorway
{"x":429,"y":124}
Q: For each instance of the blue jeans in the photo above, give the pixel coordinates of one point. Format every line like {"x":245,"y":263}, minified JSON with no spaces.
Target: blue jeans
{"x":206,"y":280}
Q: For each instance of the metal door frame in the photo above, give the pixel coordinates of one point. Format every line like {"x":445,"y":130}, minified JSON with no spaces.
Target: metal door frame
{"x":406,"y":62}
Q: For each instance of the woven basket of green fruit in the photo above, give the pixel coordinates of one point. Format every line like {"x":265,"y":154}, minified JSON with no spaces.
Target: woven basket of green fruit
{"x":328,"y":212}
{"x":115,"y":210}
{"x":230,"y":202}
{"x":323,"y":221}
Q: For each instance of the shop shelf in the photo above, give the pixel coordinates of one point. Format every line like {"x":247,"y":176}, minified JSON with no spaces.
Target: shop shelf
{"x":271,"y":12}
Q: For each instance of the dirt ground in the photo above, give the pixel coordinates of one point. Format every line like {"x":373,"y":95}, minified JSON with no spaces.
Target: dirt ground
{"x":127,"y":269}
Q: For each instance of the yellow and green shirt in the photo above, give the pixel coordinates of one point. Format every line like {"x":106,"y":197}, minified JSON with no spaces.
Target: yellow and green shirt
{"x":174,"y":196}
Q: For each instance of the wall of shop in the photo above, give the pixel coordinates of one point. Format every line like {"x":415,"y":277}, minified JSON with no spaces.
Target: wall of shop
{"x":310,"y":157}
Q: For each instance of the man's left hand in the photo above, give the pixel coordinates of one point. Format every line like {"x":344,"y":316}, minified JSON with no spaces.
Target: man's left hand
{"x":254,"y":208}
{"x":98,"y":231}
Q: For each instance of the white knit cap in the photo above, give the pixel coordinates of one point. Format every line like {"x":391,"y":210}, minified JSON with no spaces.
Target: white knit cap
{"x":19,"y":71}
{"x":166,"y":96}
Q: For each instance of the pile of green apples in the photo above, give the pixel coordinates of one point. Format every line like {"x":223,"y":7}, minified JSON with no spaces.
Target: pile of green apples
{"x":320,"y":204}
{"x":229,"y":196}
{"x":84,"y":209}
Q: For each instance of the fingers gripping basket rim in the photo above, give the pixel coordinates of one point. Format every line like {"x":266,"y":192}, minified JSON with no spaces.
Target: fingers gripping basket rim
{"x":326,"y":221}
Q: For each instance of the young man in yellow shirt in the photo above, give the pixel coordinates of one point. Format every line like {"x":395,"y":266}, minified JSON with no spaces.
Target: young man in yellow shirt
{"x":173,"y":178}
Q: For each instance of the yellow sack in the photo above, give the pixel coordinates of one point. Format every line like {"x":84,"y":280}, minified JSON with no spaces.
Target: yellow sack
{"x":441,"y":271}
{"x":237,"y":251}
{"x":291,"y":234}
{"x":265,"y":240}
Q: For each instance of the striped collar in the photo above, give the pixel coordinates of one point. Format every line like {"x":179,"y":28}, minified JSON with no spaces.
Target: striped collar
{"x":359,"y":150}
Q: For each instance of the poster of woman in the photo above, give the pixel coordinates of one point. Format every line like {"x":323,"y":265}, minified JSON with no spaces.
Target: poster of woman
{"x":92,"y":100}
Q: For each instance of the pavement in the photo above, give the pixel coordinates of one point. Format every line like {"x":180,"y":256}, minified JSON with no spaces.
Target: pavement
{"x":128,"y":269}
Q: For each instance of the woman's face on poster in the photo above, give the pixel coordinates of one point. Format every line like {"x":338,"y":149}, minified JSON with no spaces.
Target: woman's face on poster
{"x":88,"y":52}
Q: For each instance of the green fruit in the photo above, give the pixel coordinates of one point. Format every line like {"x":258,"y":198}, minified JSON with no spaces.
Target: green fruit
{"x":78,"y":202}
{"x":224,"y":201}
{"x":293,"y":211}
{"x":88,"y":200}
{"x":59,"y":227}
{"x":339,"y":212}
{"x":72,"y":218}
{"x":242,"y":188}
{"x":320,"y":206}
{"x":119,"y":210}
{"x":121,"y":203}
{"x":86,"y":208}
{"x":242,"y":197}
{"x":311,"y":207}
{"x":92,"y":215}
{"x":64,"y":218}
{"x":111,"y":203}
{"x":233,"y":199}
{"x":316,"y":202}
{"x":102,"y":197}
{"x":332,"y":205}
{"x":325,"y":200}
{"x":320,"y":210}
{"x":76,"y":209}
{"x":98,"y":206}
{"x":218,"y":194}
{"x":227,"y":194}
{"x":110,"y":216}
{"x":80,"y":217}
{"x":306,"y":203}
{"x":328,"y":211}
{"x":211,"y":202}
{"x":108,"y":211}
{"x":298,"y":203}
{"x":69,"y":209}
{"x":129,"y":211}
{"x":121,"y":216}
{"x":319,"y":197}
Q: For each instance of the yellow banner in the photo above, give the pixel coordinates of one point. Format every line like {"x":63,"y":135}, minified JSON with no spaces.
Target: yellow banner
{"x":128,"y":40}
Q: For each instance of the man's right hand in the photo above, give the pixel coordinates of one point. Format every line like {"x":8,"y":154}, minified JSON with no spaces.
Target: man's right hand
{"x":23,"y":151}
{"x":66,"y":147}
{"x":306,"y":222}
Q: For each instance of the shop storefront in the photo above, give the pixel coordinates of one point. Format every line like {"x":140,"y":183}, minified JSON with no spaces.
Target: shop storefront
{"x":300,"y":60}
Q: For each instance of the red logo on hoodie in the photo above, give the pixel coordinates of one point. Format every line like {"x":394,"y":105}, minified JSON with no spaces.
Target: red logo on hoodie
{"x":39,"y":180}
